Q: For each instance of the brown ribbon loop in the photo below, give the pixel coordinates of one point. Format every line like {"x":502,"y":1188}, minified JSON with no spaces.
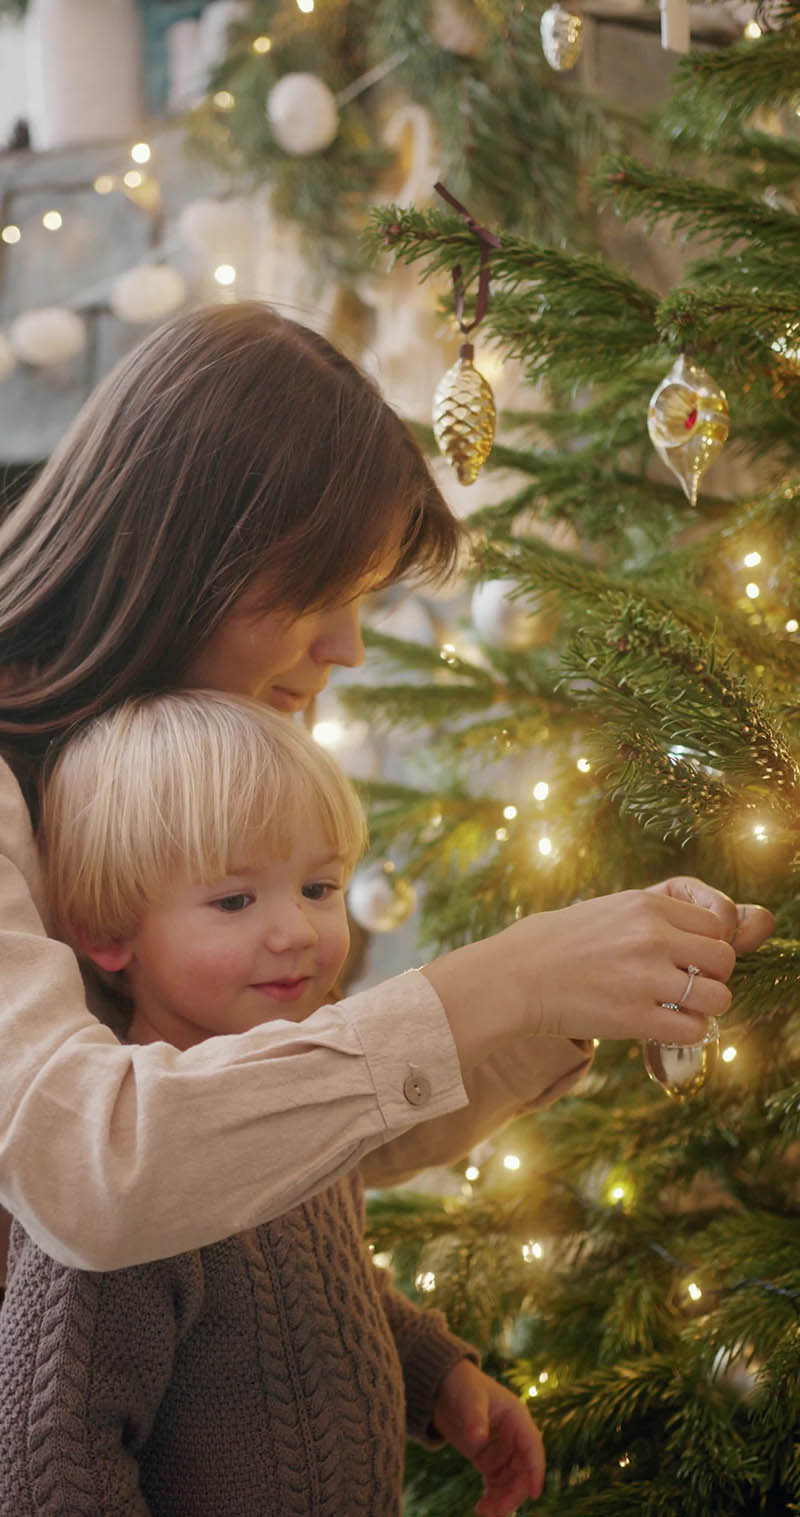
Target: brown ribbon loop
{"x":486,"y":240}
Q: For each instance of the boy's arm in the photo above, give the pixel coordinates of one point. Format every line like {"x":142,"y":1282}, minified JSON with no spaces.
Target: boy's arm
{"x":85,"y":1360}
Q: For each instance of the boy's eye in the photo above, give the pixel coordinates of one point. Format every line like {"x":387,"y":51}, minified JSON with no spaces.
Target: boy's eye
{"x":233,"y":902}
{"x":318,"y":890}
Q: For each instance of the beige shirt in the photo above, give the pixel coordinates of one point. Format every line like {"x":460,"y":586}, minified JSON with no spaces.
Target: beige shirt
{"x":112,"y":1154}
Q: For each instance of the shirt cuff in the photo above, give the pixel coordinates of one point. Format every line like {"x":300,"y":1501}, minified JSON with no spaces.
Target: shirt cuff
{"x":406,"y":1014}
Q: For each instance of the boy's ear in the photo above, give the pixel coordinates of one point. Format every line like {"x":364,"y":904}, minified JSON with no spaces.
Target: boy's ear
{"x":112,"y":956}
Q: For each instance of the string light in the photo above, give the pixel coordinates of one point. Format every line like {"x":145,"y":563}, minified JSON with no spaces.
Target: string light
{"x":531,"y":1251}
{"x":509,"y":812}
{"x":792,"y":625}
{"x":693,"y":1290}
{"x":52,"y":220}
{"x":501,"y":833}
{"x":224,"y":100}
{"x":140,"y":152}
{"x":752,"y":31}
{"x":328,"y":734}
{"x":471,"y":1172}
{"x":383,"y":1260}
{"x":729,"y":1054}
{"x":752,"y":591}
{"x":426,"y":1281}
{"x":512,"y":1161}
{"x":11,"y":233}
{"x":262,"y":44}
{"x":543,"y":1377}
{"x":306,"y":6}
{"x":103,"y":184}
{"x":584,"y":765}
{"x":133,"y":180}
{"x":624,"y":1461}
{"x":751,"y":559}
{"x":545,"y":846}
{"x":541,"y":790}
{"x":533,"y":1390}
{"x":760,"y":832}
{"x":225,"y":274}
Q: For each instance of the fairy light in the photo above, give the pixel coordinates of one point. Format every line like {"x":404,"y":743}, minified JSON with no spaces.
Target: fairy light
{"x":752,"y":590}
{"x":426,"y":1281}
{"x":541,"y":790}
{"x":472,"y":1173}
{"x":751,"y":559}
{"x":448,"y":653}
{"x":760,"y":832}
{"x":225,"y":274}
{"x":584,"y":765}
{"x":103,"y":184}
{"x":11,"y":234}
{"x":545,"y":846}
{"x":512,"y":1161}
{"x":531,"y":1251}
{"x":792,"y":625}
{"x":623,"y":1461}
{"x":306,"y":6}
{"x":436,"y":820}
{"x":729,"y":1054}
{"x":52,"y":220}
{"x":140,"y":152}
{"x":543,"y":1377}
{"x":224,"y":100}
{"x":509,"y":812}
{"x":262,"y":44}
{"x":133,"y":180}
{"x":383,"y":1259}
{"x":752,"y":31}
{"x":501,"y":833}
{"x":693,"y":1290}
{"x":328,"y":734}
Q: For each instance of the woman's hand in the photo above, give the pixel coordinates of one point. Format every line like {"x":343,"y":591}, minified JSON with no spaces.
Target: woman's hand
{"x":601,"y":968}
{"x":494,"y":1431}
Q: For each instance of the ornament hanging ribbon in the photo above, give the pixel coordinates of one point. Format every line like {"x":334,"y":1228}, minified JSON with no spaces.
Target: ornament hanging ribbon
{"x":463,"y":405}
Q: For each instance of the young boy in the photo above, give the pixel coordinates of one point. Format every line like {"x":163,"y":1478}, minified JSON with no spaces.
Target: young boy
{"x":197,"y":849}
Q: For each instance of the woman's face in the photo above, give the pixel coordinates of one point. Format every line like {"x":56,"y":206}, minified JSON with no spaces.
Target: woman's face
{"x":280,"y":659}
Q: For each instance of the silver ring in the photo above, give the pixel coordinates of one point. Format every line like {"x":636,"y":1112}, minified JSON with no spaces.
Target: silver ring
{"x":692,"y":971}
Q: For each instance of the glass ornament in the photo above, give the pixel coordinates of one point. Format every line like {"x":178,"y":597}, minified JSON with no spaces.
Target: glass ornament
{"x":688,"y":421}
{"x":562,"y":37}
{"x":681,"y":1069}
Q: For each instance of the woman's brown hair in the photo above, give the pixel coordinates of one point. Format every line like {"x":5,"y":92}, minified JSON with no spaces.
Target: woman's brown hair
{"x":230,"y":443}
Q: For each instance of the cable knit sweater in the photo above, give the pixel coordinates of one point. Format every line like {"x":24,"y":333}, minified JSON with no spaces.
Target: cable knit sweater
{"x":273,"y":1374}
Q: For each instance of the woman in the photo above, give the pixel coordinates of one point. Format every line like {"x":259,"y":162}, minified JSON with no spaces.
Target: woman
{"x":213,"y":518}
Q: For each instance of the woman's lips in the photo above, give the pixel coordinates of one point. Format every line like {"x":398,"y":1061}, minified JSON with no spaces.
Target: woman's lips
{"x":283,"y":990}
{"x":290,"y":700}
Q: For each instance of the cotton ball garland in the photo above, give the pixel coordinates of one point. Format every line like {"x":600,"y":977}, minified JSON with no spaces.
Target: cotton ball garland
{"x":8,"y":358}
{"x":219,"y":230}
{"x":147,"y":293}
{"x":509,"y":623}
{"x":303,"y":114}
{"x":49,"y":336}
{"x":379,"y":899}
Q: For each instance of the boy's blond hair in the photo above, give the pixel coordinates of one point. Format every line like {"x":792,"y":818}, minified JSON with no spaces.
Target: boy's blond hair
{"x":180,"y":787}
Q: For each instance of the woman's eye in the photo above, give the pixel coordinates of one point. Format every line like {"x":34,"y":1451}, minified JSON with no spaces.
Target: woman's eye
{"x":318,"y":890}
{"x":233,"y":902}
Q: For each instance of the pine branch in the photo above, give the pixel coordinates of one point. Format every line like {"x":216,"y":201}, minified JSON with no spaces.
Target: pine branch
{"x":706,"y":210}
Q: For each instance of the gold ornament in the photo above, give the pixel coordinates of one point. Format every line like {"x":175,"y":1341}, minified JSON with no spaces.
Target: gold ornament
{"x":683,"y":1068}
{"x":562,"y":37}
{"x":464,"y":417}
{"x":688,"y":421}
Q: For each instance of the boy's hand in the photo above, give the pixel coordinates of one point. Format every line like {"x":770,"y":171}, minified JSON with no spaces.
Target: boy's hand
{"x":494,"y":1431}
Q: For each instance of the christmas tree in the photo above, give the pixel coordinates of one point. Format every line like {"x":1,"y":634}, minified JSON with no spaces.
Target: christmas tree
{"x":629,"y":709}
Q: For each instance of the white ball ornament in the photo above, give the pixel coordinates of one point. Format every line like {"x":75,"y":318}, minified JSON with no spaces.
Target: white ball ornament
{"x":457,"y":29}
{"x":147,"y":293}
{"x":8,"y":358}
{"x":379,"y":899}
{"x":303,"y":114}
{"x":221,"y":231}
{"x":513,"y":624}
{"x":49,"y":336}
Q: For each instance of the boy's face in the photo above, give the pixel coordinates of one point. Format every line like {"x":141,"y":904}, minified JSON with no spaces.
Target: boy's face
{"x":264,"y":943}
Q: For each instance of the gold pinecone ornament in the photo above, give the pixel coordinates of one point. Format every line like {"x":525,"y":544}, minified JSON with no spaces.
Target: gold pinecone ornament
{"x":464,"y":417}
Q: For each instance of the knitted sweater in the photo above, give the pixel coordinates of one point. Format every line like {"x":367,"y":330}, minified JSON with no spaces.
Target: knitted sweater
{"x":273,"y":1374}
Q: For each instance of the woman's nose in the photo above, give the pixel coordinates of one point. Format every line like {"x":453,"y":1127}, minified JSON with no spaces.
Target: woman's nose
{"x":339,"y":639}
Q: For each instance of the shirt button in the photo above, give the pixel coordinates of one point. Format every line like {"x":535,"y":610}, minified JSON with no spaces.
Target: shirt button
{"x":416,"y":1087}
